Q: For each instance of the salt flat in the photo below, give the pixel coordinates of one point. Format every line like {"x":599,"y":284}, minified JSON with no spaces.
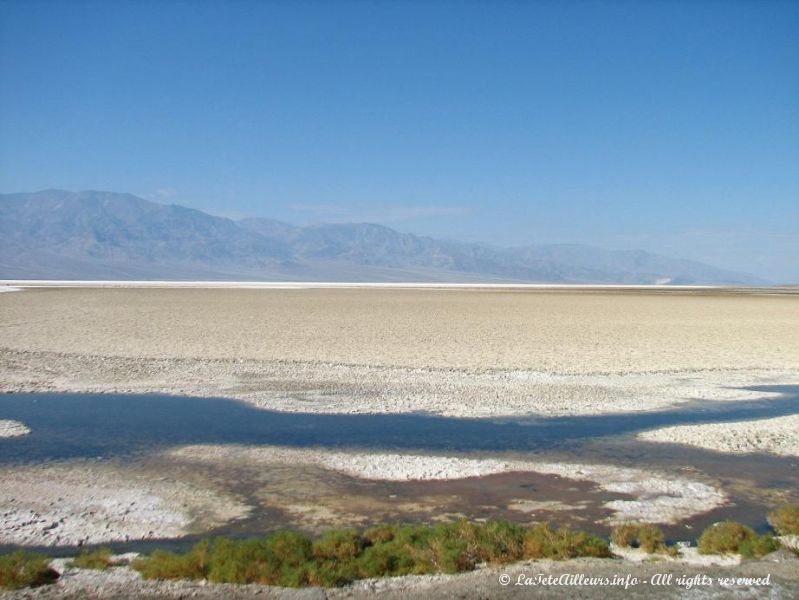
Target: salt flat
{"x":10,"y":428}
{"x":93,"y":502}
{"x":454,"y":352}
{"x":551,"y":331}
{"x":655,"y":498}
{"x":779,"y":436}
{"x":476,"y":352}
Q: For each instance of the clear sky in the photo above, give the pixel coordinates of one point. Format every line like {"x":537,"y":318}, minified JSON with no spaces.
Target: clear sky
{"x":667,"y":126}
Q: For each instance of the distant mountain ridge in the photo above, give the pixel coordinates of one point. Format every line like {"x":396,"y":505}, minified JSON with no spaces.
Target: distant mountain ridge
{"x":56,"y":234}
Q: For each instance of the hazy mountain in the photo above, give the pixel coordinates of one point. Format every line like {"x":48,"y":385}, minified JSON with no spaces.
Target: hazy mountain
{"x":276,"y":230}
{"x":106,"y":225}
{"x":103,"y":235}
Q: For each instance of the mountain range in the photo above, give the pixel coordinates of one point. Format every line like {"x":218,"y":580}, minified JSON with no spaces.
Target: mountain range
{"x":56,"y":234}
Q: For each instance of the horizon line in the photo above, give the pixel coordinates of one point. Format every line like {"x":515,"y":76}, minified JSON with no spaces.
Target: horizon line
{"x":110,"y":284}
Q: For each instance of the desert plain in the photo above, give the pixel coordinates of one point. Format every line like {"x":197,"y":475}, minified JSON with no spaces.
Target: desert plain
{"x":500,"y":355}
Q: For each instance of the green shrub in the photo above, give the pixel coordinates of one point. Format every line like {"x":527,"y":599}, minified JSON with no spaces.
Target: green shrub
{"x":625,"y":535}
{"x":646,"y":536}
{"x":283,"y":559}
{"x":785,"y":520}
{"x":500,"y":542}
{"x":729,"y":537}
{"x":413,"y":549}
{"x":23,"y":569}
{"x":246,"y":561}
{"x":544,"y":541}
{"x":379,"y":534}
{"x":651,"y":538}
{"x":280,"y":559}
{"x":167,"y":565}
{"x":99,"y":559}
{"x":338,"y":546}
{"x":389,"y":559}
{"x":340,"y":557}
{"x":758,"y":546}
{"x":724,"y":538}
{"x":336,"y":555}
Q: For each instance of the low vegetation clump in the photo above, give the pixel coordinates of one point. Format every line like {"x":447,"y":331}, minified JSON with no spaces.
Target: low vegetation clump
{"x":339,"y":557}
{"x":651,"y":538}
{"x":24,"y":569}
{"x":100,"y":559}
{"x":625,"y":535}
{"x":785,"y":520}
{"x":646,"y":536}
{"x":729,"y":537}
{"x":168,"y":565}
{"x":760,"y":545}
{"x":290,"y":559}
{"x":544,"y":541}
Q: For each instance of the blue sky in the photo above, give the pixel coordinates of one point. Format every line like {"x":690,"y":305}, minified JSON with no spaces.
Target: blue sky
{"x":667,"y":126}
